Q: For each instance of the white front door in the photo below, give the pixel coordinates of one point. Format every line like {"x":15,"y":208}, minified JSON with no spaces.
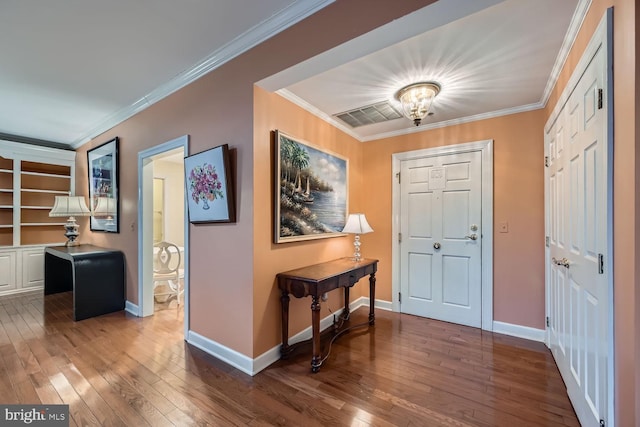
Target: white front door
{"x":441,"y":250}
{"x":577,"y":227}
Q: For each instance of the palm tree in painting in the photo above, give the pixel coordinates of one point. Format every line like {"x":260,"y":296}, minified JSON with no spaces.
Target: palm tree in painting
{"x":287,"y":148}
{"x":299,"y":160}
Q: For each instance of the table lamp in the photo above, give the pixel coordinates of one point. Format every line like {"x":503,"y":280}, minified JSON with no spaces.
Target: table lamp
{"x":70,"y":206}
{"x":357,"y":224}
{"x":106,"y":207}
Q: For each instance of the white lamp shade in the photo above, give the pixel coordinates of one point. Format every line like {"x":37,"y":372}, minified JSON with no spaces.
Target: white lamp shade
{"x":69,"y":206}
{"x":106,"y":206}
{"x":357,"y":224}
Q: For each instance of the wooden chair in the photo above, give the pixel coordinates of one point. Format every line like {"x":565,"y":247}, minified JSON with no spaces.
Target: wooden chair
{"x":167,"y":270}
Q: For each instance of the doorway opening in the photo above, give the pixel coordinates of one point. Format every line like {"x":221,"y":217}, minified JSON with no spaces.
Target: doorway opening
{"x":163,"y":239}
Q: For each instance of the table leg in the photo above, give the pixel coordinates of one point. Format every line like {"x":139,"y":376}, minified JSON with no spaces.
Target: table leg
{"x":285,"y":349}
{"x":346,"y":312}
{"x":316,"y":360}
{"x":372,"y":299}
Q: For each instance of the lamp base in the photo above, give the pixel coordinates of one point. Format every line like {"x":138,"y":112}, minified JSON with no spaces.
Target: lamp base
{"x":71,"y":232}
{"x":357,"y":257}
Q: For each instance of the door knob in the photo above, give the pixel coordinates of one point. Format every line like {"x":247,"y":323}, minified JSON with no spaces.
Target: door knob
{"x":562,"y":262}
{"x":473,"y":236}
{"x":436,"y":245}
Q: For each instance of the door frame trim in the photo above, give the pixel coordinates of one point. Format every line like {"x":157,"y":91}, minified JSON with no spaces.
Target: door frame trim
{"x":145,"y":233}
{"x":486,"y":149}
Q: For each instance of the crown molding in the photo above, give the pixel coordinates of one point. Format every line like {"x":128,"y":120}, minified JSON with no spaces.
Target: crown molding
{"x":569,"y":39}
{"x":413,"y":129}
{"x":285,"y":93}
{"x":254,"y":36}
{"x":572,"y":32}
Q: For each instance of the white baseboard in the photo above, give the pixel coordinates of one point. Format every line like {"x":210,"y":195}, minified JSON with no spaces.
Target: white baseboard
{"x":132,"y":308}
{"x":364,"y":301}
{"x":219,"y":351}
{"x":273,"y":355}
{"x":253,"y":366}
{"x":22,"y":291}
{"x":526,"y":332}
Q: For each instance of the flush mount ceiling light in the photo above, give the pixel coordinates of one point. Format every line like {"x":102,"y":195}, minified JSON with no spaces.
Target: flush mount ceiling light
{"x":416,"y":99}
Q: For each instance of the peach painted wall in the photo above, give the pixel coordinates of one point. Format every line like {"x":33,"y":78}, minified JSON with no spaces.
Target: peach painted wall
{"x":220,"y":282}
{"x":518,"y":258}
{"x":274,"y":112}
{"x":626,"y":176}
{"x":218,"y":109}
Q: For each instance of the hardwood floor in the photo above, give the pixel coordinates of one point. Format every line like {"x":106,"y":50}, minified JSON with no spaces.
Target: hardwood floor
{"x":119,"y":370}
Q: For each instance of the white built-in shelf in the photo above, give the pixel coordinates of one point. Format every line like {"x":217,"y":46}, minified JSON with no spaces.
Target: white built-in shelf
{"x":35,"y":190}
{"x":51,"y":175}
{"x":37,"y":207}
{"x":29,"y":183}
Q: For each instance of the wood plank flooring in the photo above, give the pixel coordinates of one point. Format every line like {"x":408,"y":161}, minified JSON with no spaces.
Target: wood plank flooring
{"x":119,"y":370}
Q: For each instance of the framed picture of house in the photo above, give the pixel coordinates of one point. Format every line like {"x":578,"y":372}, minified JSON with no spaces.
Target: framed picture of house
{"x":311,"y":191}
{"x":103,"y":187}
{"x":208,"y":184}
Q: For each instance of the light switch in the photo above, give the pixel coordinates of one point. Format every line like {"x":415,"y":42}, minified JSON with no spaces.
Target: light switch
{"x":503,"y":227}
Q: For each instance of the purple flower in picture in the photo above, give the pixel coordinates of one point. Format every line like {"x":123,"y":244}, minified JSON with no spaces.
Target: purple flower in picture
{"x":204,"y":184}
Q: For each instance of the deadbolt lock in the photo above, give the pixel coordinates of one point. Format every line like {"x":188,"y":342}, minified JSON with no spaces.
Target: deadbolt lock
{"x":436,"y":245}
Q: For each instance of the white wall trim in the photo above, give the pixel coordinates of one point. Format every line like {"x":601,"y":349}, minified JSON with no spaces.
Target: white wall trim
{"x":264,"y":30}
{"x":519,"y":331}
{"x":598,"y":40}
{"x":364,"y":301}
{"x":273,"y":355}
{"x":253,"y":366}
{"x":15,"y":291}
{"x":486,"y":149}
{"x":569,"y":39}
{"x":288,"y":95}
{"x":131,"y":308}
{"x":219,"y":351}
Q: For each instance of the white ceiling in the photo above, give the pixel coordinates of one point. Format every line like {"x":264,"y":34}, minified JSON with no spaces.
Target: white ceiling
{"x":73,"y":68}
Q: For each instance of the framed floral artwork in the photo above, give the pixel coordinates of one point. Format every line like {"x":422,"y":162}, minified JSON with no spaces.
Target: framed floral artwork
{"x":209,"y":186}
{"x":311,"y":191}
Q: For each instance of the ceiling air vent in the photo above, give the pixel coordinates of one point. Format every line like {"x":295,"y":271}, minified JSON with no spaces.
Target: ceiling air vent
{"x":376,"y":113}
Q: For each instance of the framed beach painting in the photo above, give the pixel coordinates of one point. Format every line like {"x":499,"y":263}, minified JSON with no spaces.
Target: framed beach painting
{"x":103,"y":187}
{"x":311,"y":191}
{"x":209,"y":186}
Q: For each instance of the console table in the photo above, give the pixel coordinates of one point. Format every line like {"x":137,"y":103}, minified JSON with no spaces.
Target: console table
{"x":95,"y":275}
{"x":314,"y":281}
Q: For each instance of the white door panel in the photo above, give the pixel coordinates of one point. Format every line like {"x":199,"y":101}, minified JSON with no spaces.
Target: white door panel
{"x":577,"y":224}
{"x":440,"y":265}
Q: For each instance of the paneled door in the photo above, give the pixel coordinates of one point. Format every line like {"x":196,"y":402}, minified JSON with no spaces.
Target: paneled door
{"x":578,"y":292}
{"x":441,"y":251}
